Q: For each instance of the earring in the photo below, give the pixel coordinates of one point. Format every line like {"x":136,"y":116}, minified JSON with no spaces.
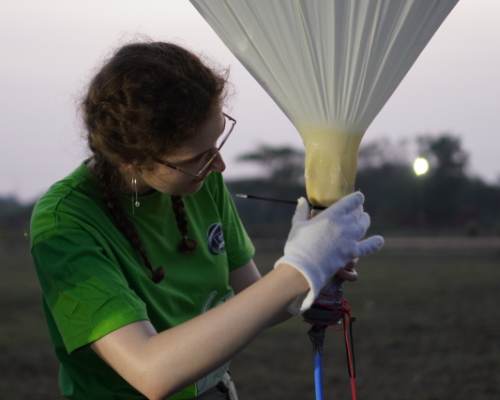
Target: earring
{"x":134,"y":188}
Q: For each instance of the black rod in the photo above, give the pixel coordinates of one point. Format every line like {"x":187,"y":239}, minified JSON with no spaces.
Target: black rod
{"x":249,"y":196}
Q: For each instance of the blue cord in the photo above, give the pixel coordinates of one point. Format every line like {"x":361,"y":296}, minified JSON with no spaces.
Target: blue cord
{"x":318,"y":376}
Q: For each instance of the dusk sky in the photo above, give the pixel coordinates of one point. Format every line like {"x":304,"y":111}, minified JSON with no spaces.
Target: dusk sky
{"x":51,"y":48}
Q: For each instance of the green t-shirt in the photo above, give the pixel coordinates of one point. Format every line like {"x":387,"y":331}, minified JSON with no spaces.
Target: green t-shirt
{"x":93,"y":281}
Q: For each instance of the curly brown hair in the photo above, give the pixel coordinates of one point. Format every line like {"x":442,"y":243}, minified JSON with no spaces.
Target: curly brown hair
{"x":147,"y":100}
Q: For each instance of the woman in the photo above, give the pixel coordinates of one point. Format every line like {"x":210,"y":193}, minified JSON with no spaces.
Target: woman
{"x":140,"y":249}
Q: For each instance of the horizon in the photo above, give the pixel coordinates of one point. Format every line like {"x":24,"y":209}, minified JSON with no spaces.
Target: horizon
{"x":50,"y":52}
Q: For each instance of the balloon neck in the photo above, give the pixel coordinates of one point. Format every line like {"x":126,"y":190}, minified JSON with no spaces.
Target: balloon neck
{"x":315,"y":212}
{"x":331,"y":163}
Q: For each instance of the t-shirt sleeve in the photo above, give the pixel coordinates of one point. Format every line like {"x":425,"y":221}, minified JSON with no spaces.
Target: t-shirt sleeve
{"x":239,"y":247}
{"x":84,"y":288}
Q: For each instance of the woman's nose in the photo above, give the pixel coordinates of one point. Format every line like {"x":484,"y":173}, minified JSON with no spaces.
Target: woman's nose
{"x":218,"y":163}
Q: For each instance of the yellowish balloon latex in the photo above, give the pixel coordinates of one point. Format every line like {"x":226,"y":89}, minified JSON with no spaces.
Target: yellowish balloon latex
{"x":331,"y":162}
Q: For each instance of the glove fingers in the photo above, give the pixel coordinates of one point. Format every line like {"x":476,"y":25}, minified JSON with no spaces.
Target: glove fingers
{"x":365,"y":222}
{"x":347,"y":203}
{"x":358,"y":212}
{"x":301,"y":212}
{"x":354,"y":216}
{"x":358,"y":228}
{"x":370,"y":245}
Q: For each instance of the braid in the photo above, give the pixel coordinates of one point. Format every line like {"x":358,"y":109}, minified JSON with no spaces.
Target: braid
{"x":186,"y":245}
{"x":108,"y":180}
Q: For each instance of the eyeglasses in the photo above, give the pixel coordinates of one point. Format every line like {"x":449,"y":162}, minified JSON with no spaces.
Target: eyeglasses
{"x":220,"y":142}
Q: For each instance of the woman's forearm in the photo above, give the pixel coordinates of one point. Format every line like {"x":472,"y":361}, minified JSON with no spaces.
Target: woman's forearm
{"x":279,"y":318}
{"x":246,"y":275}
{"x":161,"y":364}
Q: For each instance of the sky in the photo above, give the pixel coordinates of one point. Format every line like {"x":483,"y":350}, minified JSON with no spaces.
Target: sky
{"x":50,"y":49}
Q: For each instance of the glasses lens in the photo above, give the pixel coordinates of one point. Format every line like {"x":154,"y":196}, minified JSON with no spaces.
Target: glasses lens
{"x":225,"y":133}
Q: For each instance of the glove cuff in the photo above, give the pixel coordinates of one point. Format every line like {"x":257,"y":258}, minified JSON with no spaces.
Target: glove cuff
{"x":303,"y":302}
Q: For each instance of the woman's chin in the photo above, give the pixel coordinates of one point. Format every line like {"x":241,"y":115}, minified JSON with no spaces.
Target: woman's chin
{"x":192,"y":189}
{"x":198,"y":186}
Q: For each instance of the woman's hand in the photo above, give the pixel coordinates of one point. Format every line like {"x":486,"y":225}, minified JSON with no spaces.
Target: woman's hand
{"x":348,"y":273}
{"x":322,"y":246}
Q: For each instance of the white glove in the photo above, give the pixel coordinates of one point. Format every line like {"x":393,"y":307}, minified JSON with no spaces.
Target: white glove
{"x":319,"y":247}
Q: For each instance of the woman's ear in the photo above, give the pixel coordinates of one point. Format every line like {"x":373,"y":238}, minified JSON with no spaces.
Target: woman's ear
{"x":127,"y":171}
{"x":134,"y":169}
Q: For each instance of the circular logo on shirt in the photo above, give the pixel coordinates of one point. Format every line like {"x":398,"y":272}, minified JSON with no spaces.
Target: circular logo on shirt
{"x":215,"y":239}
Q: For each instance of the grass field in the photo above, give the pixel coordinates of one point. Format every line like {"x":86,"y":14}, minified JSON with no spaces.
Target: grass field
{"x":427,"y":328}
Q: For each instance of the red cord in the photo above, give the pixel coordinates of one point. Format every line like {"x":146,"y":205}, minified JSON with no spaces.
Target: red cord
{"x":353,"y":389}
{"x":351,"y":368}
{"x":343,"y":311}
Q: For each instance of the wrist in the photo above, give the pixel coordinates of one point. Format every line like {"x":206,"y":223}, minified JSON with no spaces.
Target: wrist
{"x":295,"y":280}
{"x":314,"y":280}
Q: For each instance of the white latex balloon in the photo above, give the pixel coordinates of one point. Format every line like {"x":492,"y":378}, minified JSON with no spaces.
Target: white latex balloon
{"x":330,"y":65}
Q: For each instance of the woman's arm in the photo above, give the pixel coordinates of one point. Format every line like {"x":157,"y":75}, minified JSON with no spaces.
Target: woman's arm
{"x":246,"y":275}
{"x":160,"y":364}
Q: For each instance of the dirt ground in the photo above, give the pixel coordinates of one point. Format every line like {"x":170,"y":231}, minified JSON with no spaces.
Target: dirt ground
{"x":427,"y":329}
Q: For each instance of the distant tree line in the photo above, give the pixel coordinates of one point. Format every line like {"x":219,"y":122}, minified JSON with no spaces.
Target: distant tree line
{"x":14,"y":217}
{"x":446,"y":200}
